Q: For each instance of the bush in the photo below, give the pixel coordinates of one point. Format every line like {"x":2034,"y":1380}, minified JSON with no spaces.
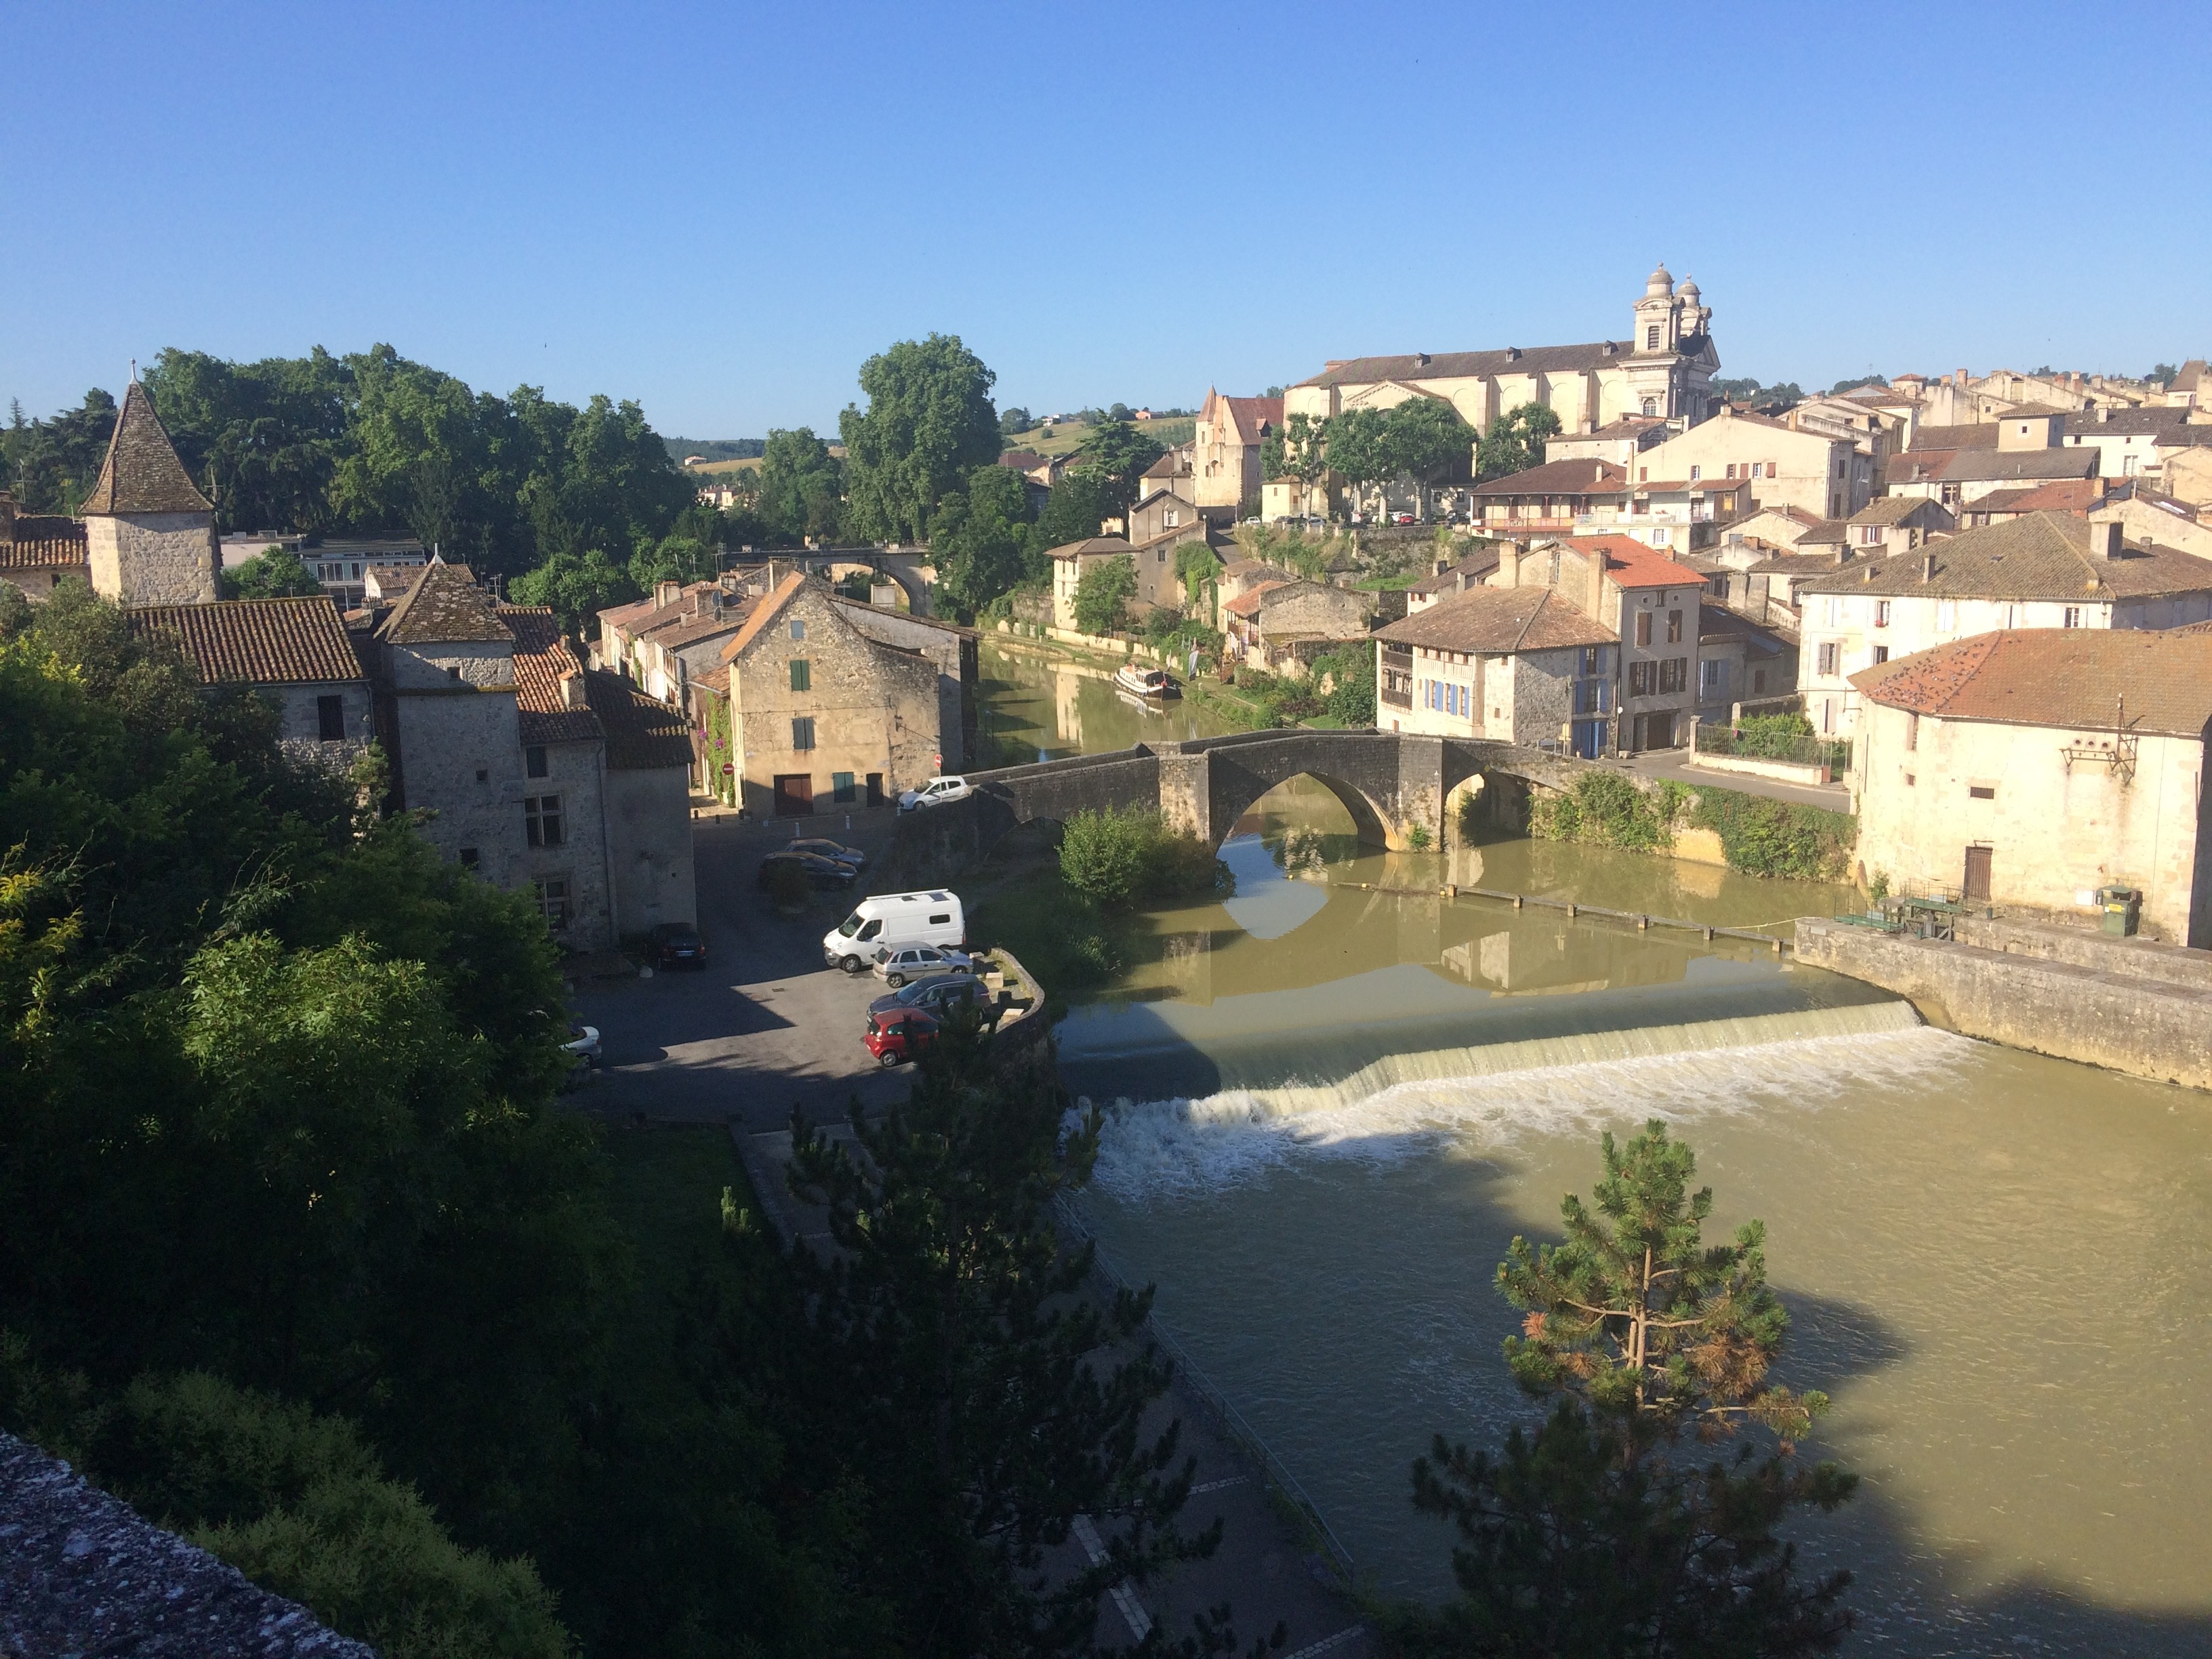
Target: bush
{"x":1116,"y":858}
{"x":1606,"y":810}
{"x":1762,"y":837}
{"x":1103,"y":595}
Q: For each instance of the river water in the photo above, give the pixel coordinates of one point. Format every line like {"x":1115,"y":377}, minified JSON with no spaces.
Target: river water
{"x":1331,"y":1109}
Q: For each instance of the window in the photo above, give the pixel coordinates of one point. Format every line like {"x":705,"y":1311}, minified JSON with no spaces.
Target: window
{"x":541,"y":819}
{"x":1644,"y":628}
{"x":1593,"y":659}
{"x":1639,"y":679}
{"x":1651,"y":343}
{"x":1712,"y":681}
{"x":1831,"y":608}
{"x":1172,"y":519}
{"x":1731,"y":470}
{"x":483,"y":774}
{"x":533,"y":761}
{"x":468,"y":858}
{"x":1673,"y":627}
{"x":802,"y":674}
{"x":798,"y":629}
{"x":1674,"y":675}
{"x":1982,"y":791}
{"x":1829,"y":654}
{"x":1881,"y":613}
{"x":1881,"y":654}
{"x":2073,"y":617}
{"x":1870,"y":535}
{"x":1910,"y":780}
{"x":802,"y":732}
{"x":553,"y":900}
{"x":1696,"y":473}
{"x":1651,"y":404}
{"x":330,"y":719}
{"x":1643,"y":473}
{"x":1946,"y":615}
{"x":841,"y":789}
{"x":1757,"y":680}
{"x":452,"y":673}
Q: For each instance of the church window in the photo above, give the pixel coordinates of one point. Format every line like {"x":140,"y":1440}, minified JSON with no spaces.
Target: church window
{"x":1652,"y":342}
{"x":1650,"y":406}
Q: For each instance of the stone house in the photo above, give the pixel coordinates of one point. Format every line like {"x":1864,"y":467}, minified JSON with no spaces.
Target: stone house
{"x":1472,"y":571}
{"x":2029,"y":768}
{"x":1282,"y":626}
{"x":814,"y":714}
{"x":952,"y":648}
{"x":1767,"y":531}
{"x":1822,"y":473}
{"x":677,"y":630}
{"x":1897,"y":523}
{"x":1742,"y":659}
{"x":1618,"y":442}
{"x":2128,"y":441}
{"x":1517,"y":665}
{"x":1225,"y":452}
{"x":295,"y":652}
{"x":1663,"y":370}
{"x":2045,"y":570}
{"x":1071,"y":559}
{"x":38,"y":549}
{"x":1650,"y":603}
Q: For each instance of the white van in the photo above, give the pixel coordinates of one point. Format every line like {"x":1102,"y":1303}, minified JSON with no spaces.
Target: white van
{"x":886,"y":922}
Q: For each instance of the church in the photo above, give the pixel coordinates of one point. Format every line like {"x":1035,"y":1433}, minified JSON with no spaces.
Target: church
{"x":1662,"y":371}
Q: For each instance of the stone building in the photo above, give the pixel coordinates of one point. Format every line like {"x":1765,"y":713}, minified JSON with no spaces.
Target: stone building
{"x":1225,"y":452}
{"x":2029,"y":768}
{"x":2043,"y":570}
{"x":1663,"y":370}
{"x":1071,"y":560}
{"x":38,"y":549}
{"x":149,"y":534}
{"x":1281,"y":626}
{"x":1824,"y":473}
{"x":295,"y":652}
{"x":1516,"y":664}
{"x":812,"y":714}
{"x":952,"y":648}
{"x":1890,"y":524}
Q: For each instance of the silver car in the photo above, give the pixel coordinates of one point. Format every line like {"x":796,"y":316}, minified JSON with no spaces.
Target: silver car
{"x":895,"y":967}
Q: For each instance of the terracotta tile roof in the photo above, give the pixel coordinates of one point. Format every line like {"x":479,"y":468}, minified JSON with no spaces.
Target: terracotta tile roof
{"x":294,"y":641}
{"x":1021,"y":459}
{"x":1890,"y":509}
{"x":1092,"y":547}
{"x":642,"y":735}
{"x":1174,"y":464}
{"x":1471,"y":365}
{"x":445,"y":607}
{"x":2039,"y":556}
{"x":1248,"y":603}
{"x":41,"y":540}
{"x":2059,"y":495}
{"x":762,"y":614}
{"x":1473,"y":568}
{"x":541,"y":661}
{"x":1979,"y":435}
{"x":141,"y":473}
{"x":1631,"y":564}
{"x":2072,"y":679}
{"x":1498,"y":619}
{"x":1572,"y":478}
{"x":1248,"y":416}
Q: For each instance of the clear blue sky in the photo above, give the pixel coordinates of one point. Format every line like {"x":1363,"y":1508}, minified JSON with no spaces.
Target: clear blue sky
{"x":722,"y":211}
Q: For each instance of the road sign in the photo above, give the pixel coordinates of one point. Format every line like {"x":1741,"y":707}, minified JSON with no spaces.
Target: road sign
{"x":729,"y":769}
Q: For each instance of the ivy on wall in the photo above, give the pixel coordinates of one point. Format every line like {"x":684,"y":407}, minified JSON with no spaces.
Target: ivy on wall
{"x":1757,"y":836}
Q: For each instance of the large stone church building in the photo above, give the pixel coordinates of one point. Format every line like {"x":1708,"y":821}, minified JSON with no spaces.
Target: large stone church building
{"x":1663,"y":370}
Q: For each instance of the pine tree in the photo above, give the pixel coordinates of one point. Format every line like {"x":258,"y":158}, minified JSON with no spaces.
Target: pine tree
{"x":984,"y":1400}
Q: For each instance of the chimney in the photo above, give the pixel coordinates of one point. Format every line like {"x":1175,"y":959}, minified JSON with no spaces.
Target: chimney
{"x":1589,"y":423}
{"x":667,"y":593}
{"x":2105,"y":541}
{"x":572,"y":691}
{"x":2104,"y":413}
{"x":1509,"y":564}
{"x":1597,"y":473}
{"x":1928,"y":566}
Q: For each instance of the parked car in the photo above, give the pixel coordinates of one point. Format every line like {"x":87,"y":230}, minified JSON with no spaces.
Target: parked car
{"x":892,"y":920}
{"x":1401,"y":518}
{"x":826,"y":873}
{"x":822,"y":848}
{"x":900,"y":1034}
{"x":584,"y":1043}
{"x":676,"y":944}
{"x":937,"y":996}
{"x":895,"y":967}
{"x":936,"y":792}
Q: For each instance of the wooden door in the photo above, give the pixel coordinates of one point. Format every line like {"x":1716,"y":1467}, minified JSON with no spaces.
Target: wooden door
{"x":875,"y":789}
{"x":794,"y":794}
{"x":1978,"y":875}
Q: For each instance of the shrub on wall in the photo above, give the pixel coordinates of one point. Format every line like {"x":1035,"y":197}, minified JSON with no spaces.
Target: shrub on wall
{"x":1763,"y":837}
{"x":1606,"y":810}
{"x":1116,"y":858}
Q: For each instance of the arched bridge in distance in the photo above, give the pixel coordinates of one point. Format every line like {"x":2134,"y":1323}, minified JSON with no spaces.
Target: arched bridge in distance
{"x":1396,"y":786}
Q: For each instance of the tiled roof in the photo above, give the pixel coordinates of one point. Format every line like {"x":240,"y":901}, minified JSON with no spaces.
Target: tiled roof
{"x":291,"y":641}
{"x":1980,"y":434}
{"x":2072,"y":679}
{"x":1473,"y":568}
{"x":1571,"y":478}
{"x":2120,"y":423}
{"x":762,"y":614}
{"x":1631,"y":564}
{"x":1247,"y":416}
{"x":2059,"y":495}
{"x":1890,"y":509}
{"x":445,"y":607}
{"x":1497,"y":619}
{"x":41,"y":540}
{"x":1988,"y":465}
{"x":1021,"y":459}
{"x":1469,"y":365}
{"x":1172,"y":464}
{"x":1092,"y":547}
{"x":1248,"y":603}
{"x":642,"y":735}
{"x":2039,"y":556}
{"x":141,"y":473}
{"x":541,"y":661}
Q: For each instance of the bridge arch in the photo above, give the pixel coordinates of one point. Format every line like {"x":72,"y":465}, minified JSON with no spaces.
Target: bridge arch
{"x":1368,"y":819}
{"x":901,"y":568}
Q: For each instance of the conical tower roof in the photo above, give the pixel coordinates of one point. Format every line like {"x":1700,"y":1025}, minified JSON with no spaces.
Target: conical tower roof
{"x":141,"y":473}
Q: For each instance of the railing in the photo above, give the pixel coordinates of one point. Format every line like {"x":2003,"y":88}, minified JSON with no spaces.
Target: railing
{"x":1231,"y":1421}
{"x":1834,"y":753}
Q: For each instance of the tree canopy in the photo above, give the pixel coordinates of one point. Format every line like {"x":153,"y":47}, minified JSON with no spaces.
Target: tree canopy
{"x":980,"y":538}
{"x":1117,"y":454}
{"x":929,"y":421}
{"x":269,"y":575}
{"x":1514,"y":442}
{"x":1102,"y":594}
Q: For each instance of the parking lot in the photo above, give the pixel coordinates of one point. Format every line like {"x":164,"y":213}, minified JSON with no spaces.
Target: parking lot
{"x":765,"y":1024}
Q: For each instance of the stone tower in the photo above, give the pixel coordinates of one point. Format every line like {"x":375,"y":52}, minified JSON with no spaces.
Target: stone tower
{"x":149,"y":534}
{"x":1671,"y":360}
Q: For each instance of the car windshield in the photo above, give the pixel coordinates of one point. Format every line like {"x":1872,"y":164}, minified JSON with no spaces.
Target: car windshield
{"x":850,"y":926}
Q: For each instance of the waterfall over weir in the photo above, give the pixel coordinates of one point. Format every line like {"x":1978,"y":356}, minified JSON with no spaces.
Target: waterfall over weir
{"x":1486,"y":1096}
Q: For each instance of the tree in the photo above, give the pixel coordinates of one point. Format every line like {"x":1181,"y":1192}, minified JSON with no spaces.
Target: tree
{"x":799,"y":489}
{"x":1102,"y":594}
{"x":1424,"y":437}
{"x":676,"y":558}
{"x":1073,"y":512}
{"x":1514,"y":442}
{"x":1013,"y":422}
{"x":272,"y":574}
{"x":971,"y":1378}
{"x":1598,"y":1533}
{"x":980,"y":537}
{"x":929,"y":422}
{"x":578,"y":587}
{"x":2163,"y":375}
{"x":1118,"y":453}
{"x":54,"y":464}
{"x":1295,"y":450}
{"x":1358,"y":449}
{"x":1197,"y":567}
{"x":1851,"y":383}
{"x":1351,"y":669}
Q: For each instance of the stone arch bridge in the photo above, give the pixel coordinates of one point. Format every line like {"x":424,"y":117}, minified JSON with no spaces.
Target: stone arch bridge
{"x":1393,"y":784}
{"x":905,"y":566}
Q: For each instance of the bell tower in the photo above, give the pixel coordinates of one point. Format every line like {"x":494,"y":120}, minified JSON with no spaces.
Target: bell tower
{"x":149,"y":534}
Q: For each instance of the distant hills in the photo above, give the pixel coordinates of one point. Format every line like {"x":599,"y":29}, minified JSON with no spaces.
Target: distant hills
{"x":716,"y":449}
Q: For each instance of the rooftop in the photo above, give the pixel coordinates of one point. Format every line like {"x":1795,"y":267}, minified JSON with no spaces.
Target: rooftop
{"x":642,"y":735}
{"x":2039,"y":556}
{"x":1473,"y":364}
{"x":141,"y":473}
{"x":1497,"y":620}
{"x":292,"y":641}
{"x":543,"y":662}
{"x":444,"y":606}
{"x":2071,"y":679}
{"x":1570,"y":478}
{"x":1631,"y":564}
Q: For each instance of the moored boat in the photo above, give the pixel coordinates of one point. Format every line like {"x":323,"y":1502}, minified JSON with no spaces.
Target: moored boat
{"x":1145,"y":681}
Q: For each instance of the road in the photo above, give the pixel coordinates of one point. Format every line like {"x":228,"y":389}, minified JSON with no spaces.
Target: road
{"x":767,"y":1025}
{"x":1675,"y":763}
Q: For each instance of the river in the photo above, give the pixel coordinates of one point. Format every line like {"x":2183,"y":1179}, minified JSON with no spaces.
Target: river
{"x":1331,"y":1109}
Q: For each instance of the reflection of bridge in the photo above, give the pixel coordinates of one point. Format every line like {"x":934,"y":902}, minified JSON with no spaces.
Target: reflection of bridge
{"x":1395,"y":786}
{"x":910,"y":567}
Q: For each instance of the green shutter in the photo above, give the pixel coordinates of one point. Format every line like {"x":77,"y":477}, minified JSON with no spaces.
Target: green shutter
{"x":802,"y":675}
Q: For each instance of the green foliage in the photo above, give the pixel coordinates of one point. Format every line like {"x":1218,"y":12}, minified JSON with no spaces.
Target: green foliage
{"x":578,"y":587}
{"x":798,"y":490}
{"x":1358,"y":448}
{"x":274,"y":575}
{"x":928,"y":424}
{"x":1118,"y":453}
{"x":1603,"y":809}
{"x":52,"y":464}
{"x":1853,"y":382}
{"x":980,"y":539}
{"x":1197,"y":567}
{"x":1102,"y":594}
{"x":1350,"y":670}
{"x":1074,"y":511}
{"x":1120,"y":858}
{"x":1297,"y":451}
{"x":1424,"y":438}
{"x":1514,"y":442}
{"x":1765,"y":837}
{"x":675,"y":558}
{"x":1013,"y":422}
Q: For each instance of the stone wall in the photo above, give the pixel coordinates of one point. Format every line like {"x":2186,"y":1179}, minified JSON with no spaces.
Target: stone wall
{"x":953,"y":650}
{"x":153,"y":558}
{"x":575,"y":777}
{"x":2120,"y":1020}
{"x":460,"y":751}
{"x":649,"y":851}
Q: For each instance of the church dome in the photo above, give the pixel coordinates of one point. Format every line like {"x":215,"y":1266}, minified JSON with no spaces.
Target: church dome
{"x":1690,"y":290}
{"x":1661,"y":284}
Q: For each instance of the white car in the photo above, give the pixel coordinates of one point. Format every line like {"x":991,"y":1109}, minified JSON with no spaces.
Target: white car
{"x":895,"y":967}
{"x":935,"y":793}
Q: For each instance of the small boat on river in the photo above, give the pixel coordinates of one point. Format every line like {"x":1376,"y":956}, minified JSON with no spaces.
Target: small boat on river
{"x":1148,"y":682}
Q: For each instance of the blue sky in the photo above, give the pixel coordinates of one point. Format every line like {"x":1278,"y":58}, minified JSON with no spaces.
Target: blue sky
{"x":721,"y":210}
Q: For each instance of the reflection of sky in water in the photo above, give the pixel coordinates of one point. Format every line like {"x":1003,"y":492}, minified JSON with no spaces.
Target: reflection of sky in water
{"x":1269,"y":904}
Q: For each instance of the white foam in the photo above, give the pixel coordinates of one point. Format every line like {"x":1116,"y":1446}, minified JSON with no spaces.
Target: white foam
{"x":1484,"y":1098}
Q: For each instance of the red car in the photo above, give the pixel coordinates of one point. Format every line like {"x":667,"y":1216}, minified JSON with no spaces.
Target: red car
{"x":898,"y":1034}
